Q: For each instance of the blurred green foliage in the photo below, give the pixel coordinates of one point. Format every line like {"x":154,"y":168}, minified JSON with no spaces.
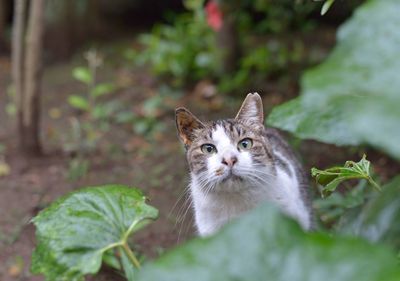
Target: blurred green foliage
{"x":148,"y":124}
{"x":353,"y":97}
{"x":98,"y":110}
{"x":332,"y":208}
{"x":264,"y":243}
{"x":183,"y":51}
{"x":272,"y":58}
{"x":95,"y":114}
{"x":11,"y":106}
{"x":377,"y":220}
{"x":268,"y":16}
{"x":187,"y":50}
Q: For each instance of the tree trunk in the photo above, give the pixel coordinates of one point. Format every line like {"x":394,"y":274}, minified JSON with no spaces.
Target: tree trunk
{"x":17,"y":50}
{"x":27,"y":73}
{"x":3,"y":19}
{"x":228,"y":39}
{"x":29,"y":125}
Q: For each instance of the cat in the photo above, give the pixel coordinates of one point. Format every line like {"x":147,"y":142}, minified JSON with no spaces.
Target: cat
{"x":236,"y":164}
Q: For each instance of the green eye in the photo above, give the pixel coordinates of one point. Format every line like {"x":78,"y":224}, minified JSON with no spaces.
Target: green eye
{"x":245,"y":144}
{"x":208,"y":148}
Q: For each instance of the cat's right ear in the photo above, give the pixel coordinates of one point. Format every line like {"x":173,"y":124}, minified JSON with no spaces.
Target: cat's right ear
{"x":186,"y":123}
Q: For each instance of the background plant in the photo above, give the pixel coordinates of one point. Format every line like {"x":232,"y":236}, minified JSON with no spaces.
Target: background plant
{"x":95,"y":114}
{"x":174,"y":51}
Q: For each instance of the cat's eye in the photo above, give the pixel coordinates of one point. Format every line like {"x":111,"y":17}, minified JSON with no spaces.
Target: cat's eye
{"x":245,"y":144}
{"x":208,"y":148}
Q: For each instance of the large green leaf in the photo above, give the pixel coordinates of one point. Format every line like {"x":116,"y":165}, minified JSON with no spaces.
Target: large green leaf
{"x":264,"y":245}
{"x":75,"y":231}
{"x":353,"y":97}
{"x":379,"y":219}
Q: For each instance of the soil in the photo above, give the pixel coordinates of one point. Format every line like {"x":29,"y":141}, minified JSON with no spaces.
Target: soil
{"x":156,"y":165}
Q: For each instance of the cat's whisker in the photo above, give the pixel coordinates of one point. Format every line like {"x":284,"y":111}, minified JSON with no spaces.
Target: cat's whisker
{"x":180,"y":197}
{"x":261,"y":175}
{"x":183,"y":219}
{"x":259,"y":179}
{"x":180,"y":215}
{"x":258,"y":171}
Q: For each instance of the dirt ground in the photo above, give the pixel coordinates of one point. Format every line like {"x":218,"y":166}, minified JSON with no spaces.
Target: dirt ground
{"x":157,"y":166}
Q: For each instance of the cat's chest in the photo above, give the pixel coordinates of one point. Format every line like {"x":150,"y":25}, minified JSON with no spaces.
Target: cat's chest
{"x":214,"y":209}
{"x":224,"y":206}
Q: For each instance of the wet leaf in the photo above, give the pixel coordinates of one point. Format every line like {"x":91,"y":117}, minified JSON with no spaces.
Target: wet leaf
{"x":74,"y":232}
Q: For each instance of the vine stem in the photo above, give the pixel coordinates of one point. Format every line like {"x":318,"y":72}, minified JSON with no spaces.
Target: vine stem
{"x":130,"y":255}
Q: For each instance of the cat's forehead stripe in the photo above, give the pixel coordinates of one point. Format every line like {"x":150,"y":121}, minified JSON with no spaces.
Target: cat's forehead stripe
{"x":221,"y":137}
{"x":231,"y":127}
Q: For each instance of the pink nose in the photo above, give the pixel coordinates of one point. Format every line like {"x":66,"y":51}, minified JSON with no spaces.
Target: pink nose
{"x":229,"y":161}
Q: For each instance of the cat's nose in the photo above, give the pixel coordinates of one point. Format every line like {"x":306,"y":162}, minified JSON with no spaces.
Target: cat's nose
{"x":229,"y":161}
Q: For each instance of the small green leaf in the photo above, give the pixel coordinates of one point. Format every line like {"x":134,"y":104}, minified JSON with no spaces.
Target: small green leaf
{"x":78,"y":102}
{"x":82,"y":74}
{"x":332,"y":177}
{"x":74,"y":232}
{"x":102,"y":89}
{"x":326,"y":6}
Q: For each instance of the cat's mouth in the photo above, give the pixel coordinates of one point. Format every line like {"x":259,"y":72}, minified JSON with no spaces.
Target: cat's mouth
{"x":231,"y":176}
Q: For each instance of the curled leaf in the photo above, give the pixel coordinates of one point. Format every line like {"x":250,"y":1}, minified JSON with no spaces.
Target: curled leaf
{"x":332,"y":177}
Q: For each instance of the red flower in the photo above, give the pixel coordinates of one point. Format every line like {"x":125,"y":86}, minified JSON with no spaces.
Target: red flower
{"x":214,"y":15}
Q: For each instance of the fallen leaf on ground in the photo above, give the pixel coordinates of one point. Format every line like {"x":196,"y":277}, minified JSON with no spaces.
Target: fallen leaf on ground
{"x":4,"y":169}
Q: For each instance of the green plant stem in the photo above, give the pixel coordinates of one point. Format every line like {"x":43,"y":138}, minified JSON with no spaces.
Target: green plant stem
{"x":131,"y":255}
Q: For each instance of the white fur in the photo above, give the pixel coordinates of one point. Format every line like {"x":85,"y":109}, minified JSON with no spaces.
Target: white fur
{"x":217,"y":202}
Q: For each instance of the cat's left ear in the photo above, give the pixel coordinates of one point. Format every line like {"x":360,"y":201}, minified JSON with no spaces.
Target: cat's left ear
{"x":186,"y":123}
{"x":251,"y":109}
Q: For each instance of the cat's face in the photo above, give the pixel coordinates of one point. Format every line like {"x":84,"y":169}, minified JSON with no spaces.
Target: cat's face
{"x":230,"y":153}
